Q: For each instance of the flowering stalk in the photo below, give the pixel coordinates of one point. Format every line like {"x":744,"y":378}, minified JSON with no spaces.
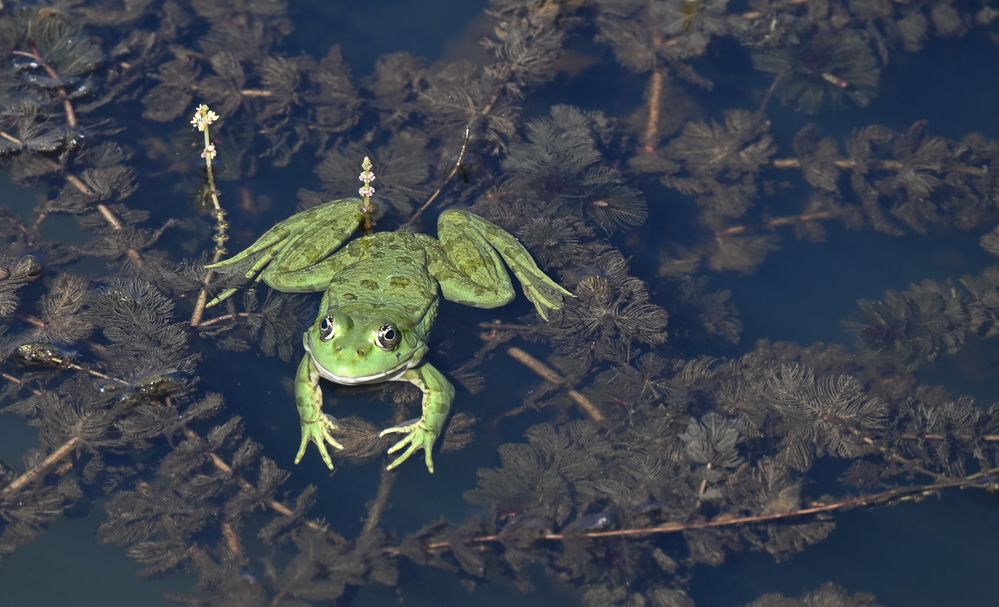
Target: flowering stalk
{"x":366,"y":192}
{"x":203,"y":118}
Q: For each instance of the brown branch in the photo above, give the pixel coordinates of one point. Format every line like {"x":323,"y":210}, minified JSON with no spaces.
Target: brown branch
{"x":232,"y":542}
{"x":377,"y":507}
{"x":68,"y":447}
{"x":223,"y":318}
{"x":755,"y":15}
{"x":984,"y":478}
{"x":842,"y":164}
{"x":67,"y":104}
{"x":933,"y":436}
{"x":104,"y":211}
{"x":552,"y":377}
{"x":379,"y":504}
{"x":652,"y":125}
{"x":890,"y":454}
{"x":39,"y":469}
{"x":501,"y":82}
{"x":221,"y":465}
{"x":255,"y":93}
{"x":778,"y":222}
{"x":877,"y":165}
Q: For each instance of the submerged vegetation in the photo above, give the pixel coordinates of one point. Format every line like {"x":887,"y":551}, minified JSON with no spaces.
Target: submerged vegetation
{"x":657,"y":443}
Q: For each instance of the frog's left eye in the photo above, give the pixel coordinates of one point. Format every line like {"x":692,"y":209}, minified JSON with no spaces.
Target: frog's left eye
{"x":388,"y":337}
{"x":326,"y":328}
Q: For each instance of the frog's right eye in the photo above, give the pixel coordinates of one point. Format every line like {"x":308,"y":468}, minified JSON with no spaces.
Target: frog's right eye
{"x":326,"y":328}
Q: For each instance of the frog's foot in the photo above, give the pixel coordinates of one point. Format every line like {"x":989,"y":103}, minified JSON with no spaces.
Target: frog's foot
{"x":472,"y":243}
{"x":318,"y":432}
{"x":546,"y":295}
{"x":418,"y":436}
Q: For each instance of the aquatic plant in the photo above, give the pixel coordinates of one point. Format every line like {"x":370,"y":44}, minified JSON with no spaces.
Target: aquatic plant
{"x":826,"y":69}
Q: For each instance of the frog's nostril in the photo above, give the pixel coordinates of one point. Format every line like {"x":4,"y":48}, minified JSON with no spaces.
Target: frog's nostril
{"x":360,"y":352}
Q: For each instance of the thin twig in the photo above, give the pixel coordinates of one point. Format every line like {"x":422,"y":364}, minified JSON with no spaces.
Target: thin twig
{"x":233,"y":543}
{"x":379,"y":504}
{"x":984,"y":478}
{"x":67,"y":104}
{"x":224,"y":318}
{"x":552,"y":377}
{"x":656,"y":84}
{"x":447,"y":180}
{"x":877,"y":165}
{"x":69,"y":446}
{"x":104,"y":211}
{"x":778,"y":222}
{"x":221,"y":465}
{"x":377,"y":507}
{"x":6,"y":216}
{"x":890,"y":454}
{"x":42,"y":467}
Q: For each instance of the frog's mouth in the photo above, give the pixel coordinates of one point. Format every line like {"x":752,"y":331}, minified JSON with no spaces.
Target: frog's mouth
{"x":392,"y":374}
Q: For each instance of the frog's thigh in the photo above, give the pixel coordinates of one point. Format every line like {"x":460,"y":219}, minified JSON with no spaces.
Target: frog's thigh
{"x":467,"y":267}
{"x":307,"y":280}
{"x":315,"y":234}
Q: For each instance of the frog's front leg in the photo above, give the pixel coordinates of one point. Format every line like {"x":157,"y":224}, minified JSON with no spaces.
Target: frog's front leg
{"x":423,"y":432}
{"x":316,"y":426}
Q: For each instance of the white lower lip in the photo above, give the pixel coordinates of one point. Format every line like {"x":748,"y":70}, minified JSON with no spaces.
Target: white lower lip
{"x":390,"y":375}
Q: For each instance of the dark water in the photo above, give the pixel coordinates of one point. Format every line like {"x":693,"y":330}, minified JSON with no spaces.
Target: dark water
{"x":931,"y":553}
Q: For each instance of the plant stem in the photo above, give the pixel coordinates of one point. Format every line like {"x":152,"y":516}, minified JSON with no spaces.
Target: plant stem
{"x":450,"y":176}
{"x":220,"y":230}
{"x":223,"y":318}
{"x":552,"y":376}
{"x":985,"y":478}
{"x":84,"y":189}
{"x":42,"y":467}
{"x":652,"y":124}
{"x":67,"y":104}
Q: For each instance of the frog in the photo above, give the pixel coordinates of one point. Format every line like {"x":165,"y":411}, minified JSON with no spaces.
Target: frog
{"x":381,"y":296}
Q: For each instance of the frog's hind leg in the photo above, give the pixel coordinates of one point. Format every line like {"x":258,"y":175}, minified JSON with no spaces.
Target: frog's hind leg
{"x":471,"y":272}
{"x":290,"y":252}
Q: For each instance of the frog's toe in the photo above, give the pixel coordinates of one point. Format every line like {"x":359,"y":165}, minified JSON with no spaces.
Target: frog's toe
{"x":405,"y":454}
{"x":407,"y":426}
{"x":329,"y":424}
{"x":319,"y":433}
{"x":332,"y":441}
{"x":414,"y":445}
{"x":546,"y":297}
{"x":429,"y":460}
{"x":416,"y":438}
{"x":303,"y":447}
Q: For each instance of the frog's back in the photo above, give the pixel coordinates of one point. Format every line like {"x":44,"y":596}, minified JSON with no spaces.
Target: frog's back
{"x":386,"y":268}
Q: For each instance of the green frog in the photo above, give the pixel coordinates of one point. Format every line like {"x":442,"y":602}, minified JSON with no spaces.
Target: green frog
{"x":381,"y":294}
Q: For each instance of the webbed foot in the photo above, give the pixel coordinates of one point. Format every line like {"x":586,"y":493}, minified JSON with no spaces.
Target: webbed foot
{"x":319,"y":433}
{"x":418,"y":436}
{"x":472,"y":273}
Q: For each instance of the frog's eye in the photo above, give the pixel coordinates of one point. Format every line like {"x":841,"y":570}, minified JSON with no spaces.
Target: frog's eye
{"x":388,"y":337}
{"x":326,"y":328}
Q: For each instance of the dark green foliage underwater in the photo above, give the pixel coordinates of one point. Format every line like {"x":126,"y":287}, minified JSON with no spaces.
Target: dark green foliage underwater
{"x":657,"y":442}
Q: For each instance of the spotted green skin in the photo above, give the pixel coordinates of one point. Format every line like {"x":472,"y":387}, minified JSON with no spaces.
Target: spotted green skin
{"x":385,"y":278}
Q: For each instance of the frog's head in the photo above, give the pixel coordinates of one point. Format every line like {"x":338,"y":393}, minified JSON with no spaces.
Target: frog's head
{"x":351,"y":345}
